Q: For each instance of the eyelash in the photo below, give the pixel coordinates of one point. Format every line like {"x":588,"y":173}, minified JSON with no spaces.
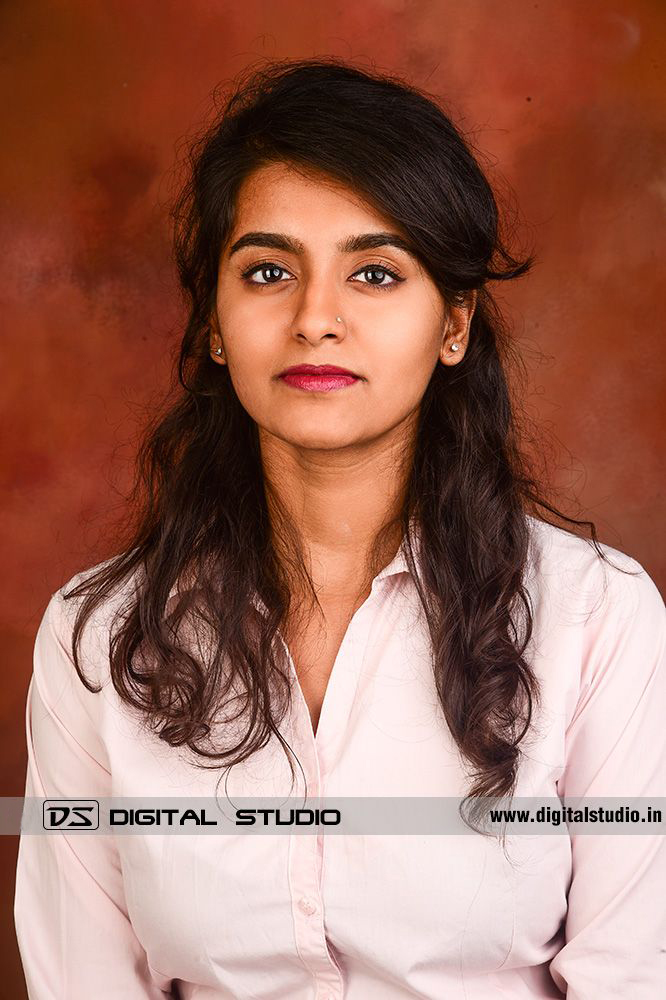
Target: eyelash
{"x":246,"y":275}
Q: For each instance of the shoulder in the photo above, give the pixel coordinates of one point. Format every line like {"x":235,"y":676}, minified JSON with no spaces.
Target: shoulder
{"x":611,"y":603}
{"x":557,"y":549}
{"x":570,"y":563}
{"x":54,"y":642}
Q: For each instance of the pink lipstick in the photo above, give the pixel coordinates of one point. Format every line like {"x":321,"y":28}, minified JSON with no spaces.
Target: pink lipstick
{"x":318,"y":378}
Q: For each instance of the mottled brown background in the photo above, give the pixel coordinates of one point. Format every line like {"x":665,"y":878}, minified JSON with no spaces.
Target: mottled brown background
{"x":565,"y":98}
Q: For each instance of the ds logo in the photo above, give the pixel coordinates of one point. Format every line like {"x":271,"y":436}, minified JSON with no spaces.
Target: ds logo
{"x":71,"y":814}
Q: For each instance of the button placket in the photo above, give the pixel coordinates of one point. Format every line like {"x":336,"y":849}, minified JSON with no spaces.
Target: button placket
{"x":318,"y":754}
{"x":307,"y":905}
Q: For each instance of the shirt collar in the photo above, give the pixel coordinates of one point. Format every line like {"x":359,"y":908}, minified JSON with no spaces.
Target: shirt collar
{"x":399,"y":562}
{"x":396,"y":566}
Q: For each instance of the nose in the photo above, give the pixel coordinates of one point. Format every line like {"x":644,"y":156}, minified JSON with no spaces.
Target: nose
{"x":316,"y":317}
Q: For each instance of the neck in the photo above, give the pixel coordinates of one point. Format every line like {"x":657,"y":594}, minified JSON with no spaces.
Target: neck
{"x":338,"y":500}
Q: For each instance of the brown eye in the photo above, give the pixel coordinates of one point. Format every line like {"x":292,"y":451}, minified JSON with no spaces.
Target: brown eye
{"x":268,"y":272}
{"x":377,"y":270}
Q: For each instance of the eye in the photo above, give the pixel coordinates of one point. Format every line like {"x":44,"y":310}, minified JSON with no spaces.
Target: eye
{"x":379,"y":269}
{"x":271,"y":272}
{"x":265,"y":268}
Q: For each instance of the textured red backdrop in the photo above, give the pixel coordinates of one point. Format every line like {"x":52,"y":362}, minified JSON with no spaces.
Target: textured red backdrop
{"x":565,"y":98}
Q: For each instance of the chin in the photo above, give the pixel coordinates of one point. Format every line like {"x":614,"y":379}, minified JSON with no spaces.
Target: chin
{"x":321,"y":439}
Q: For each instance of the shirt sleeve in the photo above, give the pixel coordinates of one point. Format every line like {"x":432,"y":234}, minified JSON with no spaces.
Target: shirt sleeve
{"x":615,"y":933}
{"x":74,"y":934}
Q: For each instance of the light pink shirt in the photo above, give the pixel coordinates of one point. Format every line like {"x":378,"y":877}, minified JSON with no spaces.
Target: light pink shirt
{"x":445,"y":917}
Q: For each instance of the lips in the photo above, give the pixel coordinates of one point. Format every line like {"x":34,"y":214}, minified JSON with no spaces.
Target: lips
{"x":318,"y":378}
{"x":317,"y":370}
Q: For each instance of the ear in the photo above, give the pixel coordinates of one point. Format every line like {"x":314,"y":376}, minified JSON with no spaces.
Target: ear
{"x":456,"y":331}
{"x":216,"y":341}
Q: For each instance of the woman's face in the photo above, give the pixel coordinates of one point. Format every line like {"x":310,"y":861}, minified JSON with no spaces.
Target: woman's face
{"x":278,"y":297}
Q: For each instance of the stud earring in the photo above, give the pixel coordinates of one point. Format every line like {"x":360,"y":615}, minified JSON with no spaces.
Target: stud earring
{"x":455,"y":347}
{"x":218,"y":350}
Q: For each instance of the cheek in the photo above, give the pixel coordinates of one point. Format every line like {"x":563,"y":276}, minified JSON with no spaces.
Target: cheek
{"x":250,"y":369}
{"x":406,"y":366}
{"x":251,"y":391}
{"x":249,"y":346}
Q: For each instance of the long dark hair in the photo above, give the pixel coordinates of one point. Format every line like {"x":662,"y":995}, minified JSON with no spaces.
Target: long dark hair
{"x":202,"y":518}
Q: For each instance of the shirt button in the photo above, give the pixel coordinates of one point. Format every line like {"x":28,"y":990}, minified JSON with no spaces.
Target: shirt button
{"x":307,"y":906}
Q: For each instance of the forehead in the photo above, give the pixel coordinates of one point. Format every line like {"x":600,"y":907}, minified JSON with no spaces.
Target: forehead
{"x":284,"y":190}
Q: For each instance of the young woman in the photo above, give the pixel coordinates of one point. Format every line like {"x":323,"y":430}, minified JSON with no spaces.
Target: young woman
{"x":343,"y":582}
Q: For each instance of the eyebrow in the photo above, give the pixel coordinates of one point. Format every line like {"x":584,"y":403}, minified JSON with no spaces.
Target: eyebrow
{"x":352,"y":244}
